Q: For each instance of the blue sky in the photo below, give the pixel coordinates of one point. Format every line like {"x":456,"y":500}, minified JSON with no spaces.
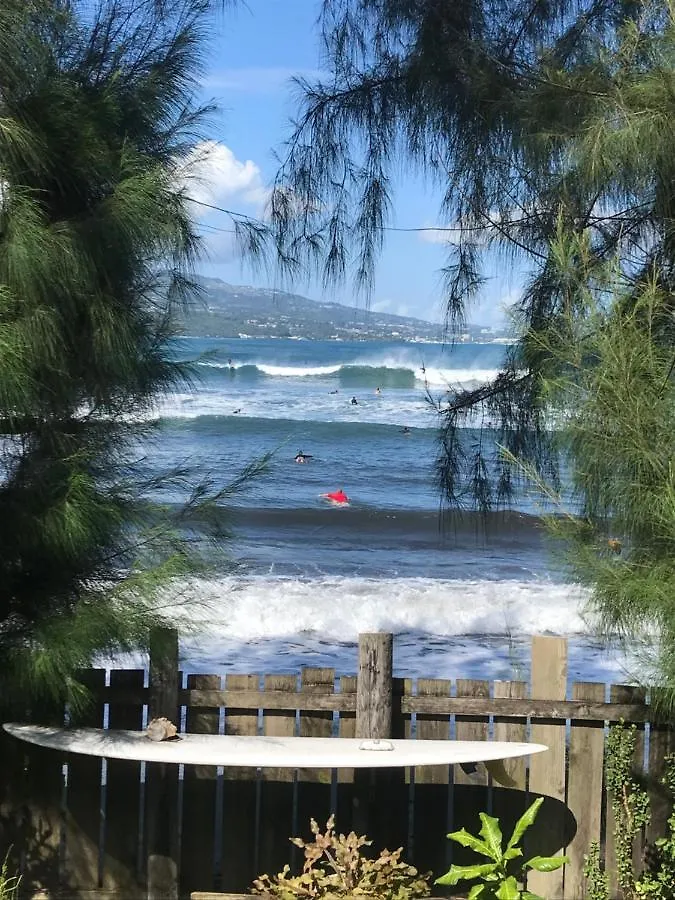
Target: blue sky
{"x":256,"y":48}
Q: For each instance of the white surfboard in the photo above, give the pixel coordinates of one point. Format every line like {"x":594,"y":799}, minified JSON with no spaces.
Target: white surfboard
{"x":259,"y":751}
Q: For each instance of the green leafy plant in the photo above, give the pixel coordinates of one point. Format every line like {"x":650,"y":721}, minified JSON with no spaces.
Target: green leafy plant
{"x":494,"y":880}
{"x":9,"y":884}
{"x":632,"y":813}
{"x":335,"y":866}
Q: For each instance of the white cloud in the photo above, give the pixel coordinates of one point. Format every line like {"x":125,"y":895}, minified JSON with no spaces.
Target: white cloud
{"x":213,"y":174}
{"x":256,"y":79}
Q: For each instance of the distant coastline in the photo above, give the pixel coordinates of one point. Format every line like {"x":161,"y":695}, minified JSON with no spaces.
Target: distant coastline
{"x":240,"y":311}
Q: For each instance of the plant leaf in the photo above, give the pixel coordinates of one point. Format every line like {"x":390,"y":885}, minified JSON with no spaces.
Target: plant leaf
{"x":524,"y":822}
{"x":465,"y":873}
{"x":491,"y":834}
{"x":528,"y":895}
{"x":508,"y":890}
{"x":546,"y":863}
{"x":469,"y":840}
{"x":512,"y":853}
{"x":476,"y":891}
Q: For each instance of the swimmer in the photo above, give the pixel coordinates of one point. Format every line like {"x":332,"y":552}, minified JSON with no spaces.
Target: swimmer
{"x":229,"y":362}
{"x":378,"y":391}
{"x":339,"y":498}
{"x":405,"y":430}
{"x":354,"y":401}
{"x":301,"y":457}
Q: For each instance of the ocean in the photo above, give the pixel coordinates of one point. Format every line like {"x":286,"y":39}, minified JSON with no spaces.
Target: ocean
{"x":307,"y":577}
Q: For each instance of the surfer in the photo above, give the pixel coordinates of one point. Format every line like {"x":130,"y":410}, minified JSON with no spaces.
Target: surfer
{"x":354,"y":401}
{"x":236,"y":411}
{"x":229,"y":362}
{"x":339,"y":498}
{"x":378,"y":391}
{"x":405,"y":430}
{"x":333,"y":392}
{"x":301,"y":457}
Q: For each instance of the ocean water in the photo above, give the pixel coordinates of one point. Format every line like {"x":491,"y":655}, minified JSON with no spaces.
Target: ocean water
{"x":462,"y":600}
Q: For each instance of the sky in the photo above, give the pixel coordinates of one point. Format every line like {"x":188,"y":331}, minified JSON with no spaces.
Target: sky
{"x":257,"y":46}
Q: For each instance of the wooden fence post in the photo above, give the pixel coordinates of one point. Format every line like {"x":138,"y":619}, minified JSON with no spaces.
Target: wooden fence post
{"x":374,"y":687}
{"x":374,"y":698}
{"x":161,"y":778}
{"x":547,"y":770}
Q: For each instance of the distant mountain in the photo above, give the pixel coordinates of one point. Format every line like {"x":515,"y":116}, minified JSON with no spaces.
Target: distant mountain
{"x":229,"y":310}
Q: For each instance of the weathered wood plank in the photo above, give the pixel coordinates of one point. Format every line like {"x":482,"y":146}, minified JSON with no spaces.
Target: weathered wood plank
{"x":277,"y":786}
{"x":344,"y":811}
{"x":314,"y":785}
{"x":622,"y":693}
{"x":470,"y":792}
{"x":374,"y":690}
{"x":197,"y":863}
{"x":240,"y":786}
{"x":432,"y":785}
{"x":526,"y":708}
{"x":547,"y":770}
{"x":509,"y":800}
{"x":83,"y":819}
{"x":161,"y":809}
{"x":32,"y":800}
{"x":661,"y":744}
{"x":122,"y":854}
{"x":584,"y":788}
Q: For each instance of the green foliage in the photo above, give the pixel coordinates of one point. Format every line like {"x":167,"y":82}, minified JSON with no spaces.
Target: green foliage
{"x":631,"y":809}
{"x":495,"y":881}
{"x":96,"y":245}
{"x":9,"y":884}
{"x":335,"y":866}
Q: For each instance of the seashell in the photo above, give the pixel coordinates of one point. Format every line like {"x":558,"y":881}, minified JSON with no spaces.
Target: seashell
{"x":161,"y":730}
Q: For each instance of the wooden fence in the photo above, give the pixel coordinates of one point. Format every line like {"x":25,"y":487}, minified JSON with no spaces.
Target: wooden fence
{"x":79,"y":825}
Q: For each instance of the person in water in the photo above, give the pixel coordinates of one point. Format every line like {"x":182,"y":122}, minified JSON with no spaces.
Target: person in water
{"x":301,"y":457}
{"x":338,"y":496}
{"x":378,"y":391}
{"x":405,"y":430}
{"x":333,"y":392}
{"x":354,"y":401}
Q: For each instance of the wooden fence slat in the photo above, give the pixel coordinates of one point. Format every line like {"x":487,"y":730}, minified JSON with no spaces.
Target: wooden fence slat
{"x":661,"y":744}
{"x":431,"y":793}
{"x":344,"y":813}
{"x":31,"y":813}
{"x":527,"y":708}
{"x":239,"y":849}
{"x":547,"y":770}
{"x":584,"y":788}
{"x":277,"y":786}
{"x":197,"y":868}
{"x":83,"y":804}
{"x":510,"y":801}
{"x":314,"y":785}
{"x":623,"y":693}
{"x":123,"y":845}
{"x":470,"y":790}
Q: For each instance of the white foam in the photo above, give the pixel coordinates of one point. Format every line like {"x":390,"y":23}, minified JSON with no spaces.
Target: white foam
{"x":456,"y":378}
{"x":297,"y":371}
{"x":254,"y":607}
{"x":443,"y":629}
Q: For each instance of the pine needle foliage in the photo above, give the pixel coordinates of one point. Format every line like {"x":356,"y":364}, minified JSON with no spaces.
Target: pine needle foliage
{"x":549,"y":129}
{"x":530,"y":118}
{"x":96,"y":244}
